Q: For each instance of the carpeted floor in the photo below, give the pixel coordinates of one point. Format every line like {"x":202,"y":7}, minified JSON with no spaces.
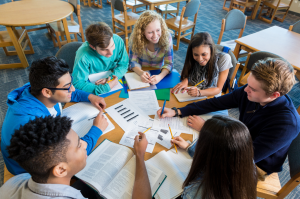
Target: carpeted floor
{"x":209,"y":20}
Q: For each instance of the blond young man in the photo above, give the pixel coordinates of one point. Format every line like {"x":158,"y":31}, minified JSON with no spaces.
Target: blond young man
{"x":103,"y":51}
{"x":264,"y":108}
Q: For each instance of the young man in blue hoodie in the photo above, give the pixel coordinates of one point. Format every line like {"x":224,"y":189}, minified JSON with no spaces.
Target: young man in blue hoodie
{"x":50,"y":84}
{"x":265,"y":108}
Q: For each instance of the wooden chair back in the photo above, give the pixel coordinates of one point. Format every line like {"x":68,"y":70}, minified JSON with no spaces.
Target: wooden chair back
{"x":242,"y":5}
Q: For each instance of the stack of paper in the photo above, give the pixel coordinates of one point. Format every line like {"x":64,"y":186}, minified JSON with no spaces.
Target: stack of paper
{"x":134,"y":81}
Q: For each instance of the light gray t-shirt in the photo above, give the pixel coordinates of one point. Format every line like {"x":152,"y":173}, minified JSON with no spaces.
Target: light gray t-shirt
{"x":23,"y":187}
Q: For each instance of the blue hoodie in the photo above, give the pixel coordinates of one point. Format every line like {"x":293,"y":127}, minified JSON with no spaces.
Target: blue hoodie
{"x":22,"y":107}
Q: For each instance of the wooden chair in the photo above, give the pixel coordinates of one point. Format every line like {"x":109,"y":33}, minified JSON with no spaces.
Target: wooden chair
{"x":233,"y":20}
{"x":224,"y":5}
{"x":242,"y":5}
{"x":168,"y":9}
{"x":271,"y":188}
{"x":23,"y":40}
{"x":7,"y":175}
{"x":295,"y":27}
{"x":97,"y":3}
{"x":134,"y":4}
{"x":232,"y":71}
{"x":274,"y":7}
{"x":56,"y":29}
{"x":126,"y":19}
{"x":252,"y":58}
{"x":181,"y":23}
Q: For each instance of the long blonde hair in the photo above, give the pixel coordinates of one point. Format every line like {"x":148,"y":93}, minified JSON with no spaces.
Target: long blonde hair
{"x":137,"y":39}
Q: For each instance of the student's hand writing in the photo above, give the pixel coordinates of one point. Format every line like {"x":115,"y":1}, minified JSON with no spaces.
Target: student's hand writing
{"x":167,"y":113}
{"x":102,"y":81}
{"x":100,"y":122}
{"x":194,"y":92}
{"x":154,"y":79}
{"x":181,"y":86}
{"x":145,"y":77}
{"x":114,"y":82}
{"x":195,"y":122}
{"x":180,"y":142}
{"x":140,"y":145}
{"x":97,"y":101}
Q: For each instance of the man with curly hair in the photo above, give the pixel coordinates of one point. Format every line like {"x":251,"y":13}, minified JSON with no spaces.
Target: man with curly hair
{"x":103,"y":51}
{"x":51,"y":152}
{"x":50,"y":84}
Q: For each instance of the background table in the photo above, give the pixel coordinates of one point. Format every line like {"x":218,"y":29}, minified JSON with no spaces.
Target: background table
{"x":31,"y":13}
{"x":276,"y":40}
{"x":153,"y":3}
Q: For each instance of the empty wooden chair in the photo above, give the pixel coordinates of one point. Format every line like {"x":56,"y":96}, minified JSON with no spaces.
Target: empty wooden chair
{"x":252,"y":58}
{"x":22,"y":39}
{"x":134,"y":4}
{"x":56,"y":29}
{"x":126,"y":19}
{"x":295,"y":27}
{"x":242,"y":5}
{"x":274,"y":8}
{"x":233,"y":20}
{"x":182,"y":24}
{"x":168,"y":9}
{"x":97,"y":3}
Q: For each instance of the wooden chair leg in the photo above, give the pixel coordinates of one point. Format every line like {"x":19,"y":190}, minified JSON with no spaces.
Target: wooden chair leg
{"x":126,"y":38}
{"x":58,"y":40}
{"x":6,"y":51}
{"x":178,"y":40}
{"x":114,"y":24}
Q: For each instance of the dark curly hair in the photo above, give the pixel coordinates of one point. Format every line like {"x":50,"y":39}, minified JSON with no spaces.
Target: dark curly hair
{"x":45,"y":73}
{"x":40,"y":145}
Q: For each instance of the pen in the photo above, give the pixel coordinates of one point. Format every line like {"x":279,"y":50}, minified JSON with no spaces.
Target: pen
{"x":172,"y":138}
{"x":96,"y":116}
{"x":199,"y":83}
{"x":163,"y":108}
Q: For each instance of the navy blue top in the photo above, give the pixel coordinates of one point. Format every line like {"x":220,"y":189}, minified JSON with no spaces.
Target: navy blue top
{"x":272,"y":127}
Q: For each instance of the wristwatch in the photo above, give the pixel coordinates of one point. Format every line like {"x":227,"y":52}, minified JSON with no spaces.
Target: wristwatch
{"x":176,"y":111}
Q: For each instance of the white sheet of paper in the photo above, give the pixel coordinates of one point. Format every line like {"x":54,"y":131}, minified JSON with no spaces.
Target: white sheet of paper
{"x":73,"y":26}
{"x":83,"y":127}
{"x":164,"y":137}
{"x":126,"y":114}
{"x":134,"y":81}
{"x":183,"y":97}
{"x":145,"y":100}
{"x":96,"y":76}
{"x":152,"y":87}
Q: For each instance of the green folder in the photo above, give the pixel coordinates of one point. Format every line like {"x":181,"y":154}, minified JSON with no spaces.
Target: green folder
{"x":163,"y":94}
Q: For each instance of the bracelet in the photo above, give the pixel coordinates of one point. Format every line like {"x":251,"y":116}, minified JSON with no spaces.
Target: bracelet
{"x":199,"y":93}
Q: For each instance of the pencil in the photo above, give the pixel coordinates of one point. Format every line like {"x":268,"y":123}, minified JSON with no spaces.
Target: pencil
{"x":162,"y":111}
{"x":172,"y":138}
{"x":199,"y":83}
{"x":110,"y":80}
{"x":96,"y":116}
{"x":147,"y":130}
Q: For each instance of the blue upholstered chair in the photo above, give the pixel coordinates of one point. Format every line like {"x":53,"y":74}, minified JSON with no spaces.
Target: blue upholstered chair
{"x":56,"y":29}
{"x":233,"y":20}
{"x":68,"y":53}
{"x":252,"y":58}
{"x":295,"y":27}
{"x":182,"y":24}
{"x":271,"y":188}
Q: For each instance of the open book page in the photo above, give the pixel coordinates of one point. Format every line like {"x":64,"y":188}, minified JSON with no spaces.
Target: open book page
{"x":126,"y":114}
{"x":145,"y":100}
{"x":83,"y":127}
{"x":104,"y":163}
{"x":176,"y":172}
{"x":183,"y":97}
{"x":134,"y":81}
{"x":96,"y":76}
{"x":80,"y":111}
{"x":122,"y":184}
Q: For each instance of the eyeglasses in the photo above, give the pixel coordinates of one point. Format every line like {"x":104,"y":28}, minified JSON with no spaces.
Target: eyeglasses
{"x":64,"y":89}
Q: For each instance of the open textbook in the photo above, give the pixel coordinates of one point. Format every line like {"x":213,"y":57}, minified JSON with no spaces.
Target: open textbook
{"x":82,"y":114}
{"x":110,"y":170}
{"x":134,"y":81}
{"x":184,"y":97}
{"x":176,"y":167}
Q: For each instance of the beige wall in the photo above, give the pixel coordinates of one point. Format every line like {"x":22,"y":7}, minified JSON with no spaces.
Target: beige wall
{"x":295,"y":7}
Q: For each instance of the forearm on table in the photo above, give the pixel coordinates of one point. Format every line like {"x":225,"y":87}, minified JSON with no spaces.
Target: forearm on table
{"x":141,"y":188}
{"x":164,"y":72}
{"x":210,"y":91}
{"x":138,"y":70}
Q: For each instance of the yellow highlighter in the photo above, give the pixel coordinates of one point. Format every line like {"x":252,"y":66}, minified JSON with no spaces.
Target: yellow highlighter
{"x":172,"y":138}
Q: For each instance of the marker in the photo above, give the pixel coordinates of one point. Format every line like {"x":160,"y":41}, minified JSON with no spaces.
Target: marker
{"x":172,"y":138}
{"x":163,"y":108}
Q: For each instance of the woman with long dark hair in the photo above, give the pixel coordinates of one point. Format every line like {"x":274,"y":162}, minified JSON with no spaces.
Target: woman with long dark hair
{"x":203,"y":62}
{"x":223,"y":166}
